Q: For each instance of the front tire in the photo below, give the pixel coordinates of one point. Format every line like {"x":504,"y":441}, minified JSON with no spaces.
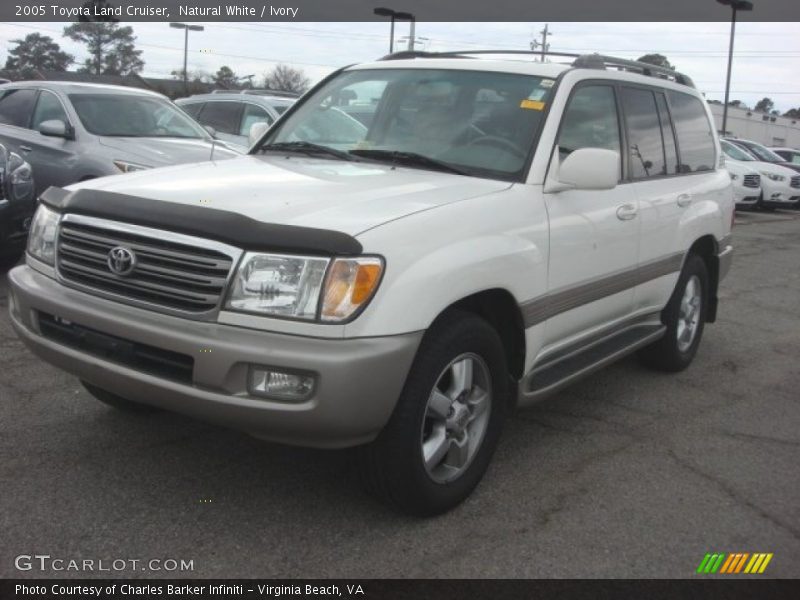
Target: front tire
{"x":445,"y":427}
{"x":685,"y":317}
{"x":117,"y":402}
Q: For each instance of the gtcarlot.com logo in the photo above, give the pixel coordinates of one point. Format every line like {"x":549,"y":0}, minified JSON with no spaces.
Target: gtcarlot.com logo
{"x":731,"y":563}
{"x":45,"y":562}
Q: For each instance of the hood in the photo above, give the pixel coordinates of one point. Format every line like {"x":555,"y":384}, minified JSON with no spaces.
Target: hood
{"x":327,"y":194}
{"x":158,"y":152}
{"x":763,"y":167}
{"x":740,"y":168}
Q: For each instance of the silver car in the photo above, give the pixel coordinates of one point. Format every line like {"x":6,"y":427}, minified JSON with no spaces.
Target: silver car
{"x":231,"y":115}
{"x":72,"y":132}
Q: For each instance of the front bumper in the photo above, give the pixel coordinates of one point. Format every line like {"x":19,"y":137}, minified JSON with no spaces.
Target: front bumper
{"x":358,"y":381}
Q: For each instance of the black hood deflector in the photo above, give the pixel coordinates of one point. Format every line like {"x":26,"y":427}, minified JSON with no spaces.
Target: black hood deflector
{"x":211,"y":223}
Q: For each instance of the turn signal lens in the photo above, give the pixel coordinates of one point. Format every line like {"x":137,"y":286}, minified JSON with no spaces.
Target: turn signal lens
{"x":350,"y":284}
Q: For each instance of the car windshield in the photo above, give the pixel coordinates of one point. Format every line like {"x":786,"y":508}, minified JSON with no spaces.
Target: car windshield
{"x":474,"y":122}
{"x":763,"y":153}
{"x":735,"y":152}
{"x":129,"y":115}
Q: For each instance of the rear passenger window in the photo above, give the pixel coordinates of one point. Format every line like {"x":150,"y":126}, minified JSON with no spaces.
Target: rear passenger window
{"x":222,"y":116}
{"x":645,"y":144}
{"x":695,"y":138}
{"x":590,"y":121}
{"x":16,"y":107}
{"x":192,"y":109}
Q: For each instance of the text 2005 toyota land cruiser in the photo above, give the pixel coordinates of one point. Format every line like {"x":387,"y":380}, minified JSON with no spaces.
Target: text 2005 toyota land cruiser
{"x":415,"y":247}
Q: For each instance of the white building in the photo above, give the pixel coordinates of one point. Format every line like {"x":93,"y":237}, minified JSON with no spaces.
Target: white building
{"x":769,"y":130}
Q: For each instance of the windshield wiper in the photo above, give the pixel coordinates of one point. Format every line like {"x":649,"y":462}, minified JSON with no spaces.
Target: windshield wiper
{"x":411,"y":159}
{"x":306,"y":148}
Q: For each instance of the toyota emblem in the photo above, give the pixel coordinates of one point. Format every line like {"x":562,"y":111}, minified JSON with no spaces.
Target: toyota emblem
{"x":121,"y":261}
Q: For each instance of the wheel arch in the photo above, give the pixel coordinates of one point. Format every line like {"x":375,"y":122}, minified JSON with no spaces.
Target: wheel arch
{"x":707,"y":248}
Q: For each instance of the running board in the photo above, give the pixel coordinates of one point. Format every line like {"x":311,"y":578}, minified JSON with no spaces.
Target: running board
{"x":562,"y":370}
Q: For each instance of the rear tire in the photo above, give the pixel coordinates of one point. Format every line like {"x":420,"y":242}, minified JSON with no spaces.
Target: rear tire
{"x":685,"y":317}
{"x":445,"y":427}
{"x":117,"y":402}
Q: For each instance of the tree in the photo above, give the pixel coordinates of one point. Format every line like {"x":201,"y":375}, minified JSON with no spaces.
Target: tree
{"x":193,"y":75}
{"x":737,"y":104}
{"x":792,"y":113}
{"x":764,"y":105}
{"x":287,"y":79}
{"x":112,"y":49}
{"x":658,"y":60}
{"x":225,"y":78}
{"x":37,"y":52}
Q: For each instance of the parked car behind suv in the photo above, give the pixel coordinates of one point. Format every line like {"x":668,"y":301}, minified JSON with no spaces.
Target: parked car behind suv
{"x":746,"y":183}
{"x":72,"y":132}
{"x":17,"y":203}
{"x":233,"y":114}
{"x":501,"y":228}
{"x":779,"y":185}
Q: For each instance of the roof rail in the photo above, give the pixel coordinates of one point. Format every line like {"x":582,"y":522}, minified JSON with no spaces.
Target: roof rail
{"x":582,"y":61}
{"x":259,"y":92}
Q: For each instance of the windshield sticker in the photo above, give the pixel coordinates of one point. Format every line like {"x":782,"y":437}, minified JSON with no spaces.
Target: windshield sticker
{"x":547,"y":83}
{"x":532,"y":104}
{"x":537,"y":94}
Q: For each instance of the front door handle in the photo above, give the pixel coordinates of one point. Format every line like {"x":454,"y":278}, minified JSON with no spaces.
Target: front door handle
{"x":684,"y":200}
{"x":25,"y":149}
{"x":626,"y":212}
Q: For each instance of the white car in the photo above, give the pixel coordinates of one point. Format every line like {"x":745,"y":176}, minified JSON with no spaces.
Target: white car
{"x":777,"y":182}
{"x":501,"y":228}
{"x":746,"y":183}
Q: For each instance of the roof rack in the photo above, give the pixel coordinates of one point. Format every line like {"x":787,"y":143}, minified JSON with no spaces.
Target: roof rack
{"x":259,"y":92}
{"x":582,"y":61}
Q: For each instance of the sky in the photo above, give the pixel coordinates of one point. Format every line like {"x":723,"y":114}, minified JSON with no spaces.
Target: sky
{"x":766,"y":57}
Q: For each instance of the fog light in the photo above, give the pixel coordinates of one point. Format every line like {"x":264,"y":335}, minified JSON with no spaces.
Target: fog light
{"x":279,"y":385}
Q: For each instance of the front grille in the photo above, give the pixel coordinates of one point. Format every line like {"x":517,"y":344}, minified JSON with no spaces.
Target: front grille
{"x":796,"y":181}
{"x":168,"y":274}
{"x":148,"y":359}
{"x":752,"y":181}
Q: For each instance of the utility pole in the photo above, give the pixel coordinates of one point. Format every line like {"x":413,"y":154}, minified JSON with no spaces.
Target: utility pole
{"x":412,"y":39}
{"x":186,"y":28}
{"x":543,"y":45}
{"x":736,"y":5}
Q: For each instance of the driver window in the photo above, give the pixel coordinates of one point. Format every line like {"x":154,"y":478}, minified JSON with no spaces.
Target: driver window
{"x":590,"y":121}
{"x":48,"y":108}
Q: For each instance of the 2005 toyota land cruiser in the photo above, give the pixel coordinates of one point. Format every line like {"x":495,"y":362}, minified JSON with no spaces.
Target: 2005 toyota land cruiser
{"x":487,"y":230}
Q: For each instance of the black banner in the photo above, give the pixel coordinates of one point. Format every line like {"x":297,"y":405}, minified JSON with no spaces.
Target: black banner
{"x":423,"y":10}
{"x":402,"y":589}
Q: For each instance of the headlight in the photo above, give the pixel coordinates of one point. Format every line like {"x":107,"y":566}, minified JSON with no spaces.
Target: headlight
{"x":773,"y":176}
{"x":281,"y":286}
{"x":42,"y":236}
{"x":297,"y":287}
{"x":129,"y":167}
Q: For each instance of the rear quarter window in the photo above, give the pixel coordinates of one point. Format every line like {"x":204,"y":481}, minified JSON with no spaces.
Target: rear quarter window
{"x":693,"y":129}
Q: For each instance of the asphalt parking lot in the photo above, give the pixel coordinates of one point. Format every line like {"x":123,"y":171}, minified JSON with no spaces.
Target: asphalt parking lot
{"x":629,"y":473}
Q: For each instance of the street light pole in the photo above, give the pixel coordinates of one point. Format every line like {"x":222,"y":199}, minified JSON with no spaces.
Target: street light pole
{"x":186,"y":29}
{"x":735,"y":5}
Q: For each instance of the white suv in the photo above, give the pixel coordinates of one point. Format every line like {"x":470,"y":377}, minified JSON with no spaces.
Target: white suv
{"x":500,"y":228}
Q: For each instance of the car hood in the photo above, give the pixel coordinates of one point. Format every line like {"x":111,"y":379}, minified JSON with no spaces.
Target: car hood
{"x":740,"y":168}
{"x":764,"y":167}
{"x":328,"y":194}
{"x":159,"y":152}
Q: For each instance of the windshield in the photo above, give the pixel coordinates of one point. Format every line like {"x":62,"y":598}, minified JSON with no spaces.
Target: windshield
{"x":477,"y":122}
{"x":735,"y":152}
{"x":128,"y":115}
{"x":763,"y":153}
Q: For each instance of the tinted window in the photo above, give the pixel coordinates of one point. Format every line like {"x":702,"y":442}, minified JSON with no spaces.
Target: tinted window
{"x":735,"y":152}
{"x":761,"y":152}
{"x":646,"y":148}
{"x":16,"y":107}
{"x":192,"y":109}
{"x":695,"y":139}
{"x":253,"y":114}
{"x":590,"y":121}
{"x":667,"y":134}
{"x":222,"y":116}
{"x":48,"y":108}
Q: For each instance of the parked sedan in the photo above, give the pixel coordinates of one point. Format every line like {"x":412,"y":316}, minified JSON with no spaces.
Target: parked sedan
{"x":780,"y":186}
{"x":232,"y":115}
{"x":72,"y":132}
{"x":16,"y":206}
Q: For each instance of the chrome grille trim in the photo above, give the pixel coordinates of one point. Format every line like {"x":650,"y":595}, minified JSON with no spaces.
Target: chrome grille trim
{"x":752,"y":181}
{"x":795,"y":181}
{"x":175,"y":274}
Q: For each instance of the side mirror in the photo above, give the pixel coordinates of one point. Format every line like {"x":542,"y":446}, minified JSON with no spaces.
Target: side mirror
{"x":256,"y":131}
{"x":55,"y":128}
{"x":585,"y":169}
{"x":211,"y":131}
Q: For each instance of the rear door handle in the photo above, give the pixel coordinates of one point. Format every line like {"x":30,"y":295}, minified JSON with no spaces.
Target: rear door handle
{"x":684,"y":200}
{"x":25,"y":149}
{"x":626,"y":212}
